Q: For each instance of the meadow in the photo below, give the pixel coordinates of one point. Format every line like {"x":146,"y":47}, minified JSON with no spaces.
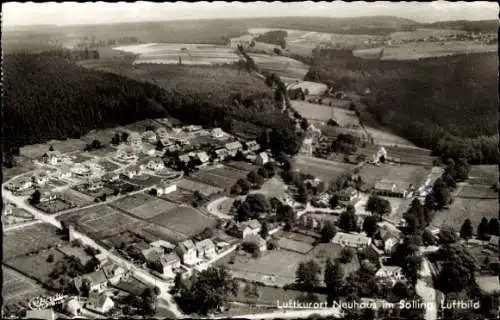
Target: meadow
{"x":203,"y":188}
{"x":325,"y":170}
{"x":184,"y":219}
{"x":415,"y":175}
{"x":17,"y":286}
{"x":461,"y":209}
{"x":143,"y":206}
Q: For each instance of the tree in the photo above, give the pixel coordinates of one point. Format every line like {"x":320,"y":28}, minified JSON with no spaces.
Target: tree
{"x":236,"y":189}
{"x":304,"y":124}
{"x":253,"y":176}
{"x":263,"y":173}
{"x":286,"y":214}
{"x":244,"y":185}
{"x":346,"y":255}
{"x":457,"y":271}
{"x":328,"y":232}
{"x":51,"y":148}
{"x":482,"y":230}
{"x":493,"y":227}
{"x":370,"y":225}
{"x":334,"y":201}
{"x":347,"y":221}
{"x":441,"y":194}
{"x":466,"y":230}
{"x":264,"y":230}
{"x":447,"y":235}
{"x":159,"y":145}
{"x":303,"y":194}
{"x":376,"y":204}
{"x":124,"y":136}
{"x":275,"y":203}
{"x":307,"y":275}
{"x":35,"y":197}
{"x":50,"y":258}
{"x":334,"y":279}
{"x":271,"y":170}
{"x":411,"y":268}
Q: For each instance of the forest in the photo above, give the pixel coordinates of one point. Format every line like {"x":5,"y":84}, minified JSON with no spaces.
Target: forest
{"x":48,"y":97}
{"x":447,"y":104}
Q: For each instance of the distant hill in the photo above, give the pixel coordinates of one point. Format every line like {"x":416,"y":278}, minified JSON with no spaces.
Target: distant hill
{"x":466,"y":25}
{"x":425,"y":100}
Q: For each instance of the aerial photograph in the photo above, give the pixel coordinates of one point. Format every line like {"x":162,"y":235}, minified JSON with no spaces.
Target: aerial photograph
{"x":251,"y":160}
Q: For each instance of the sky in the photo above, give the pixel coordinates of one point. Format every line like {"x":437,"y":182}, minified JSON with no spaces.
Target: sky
{"x":67,"y":13}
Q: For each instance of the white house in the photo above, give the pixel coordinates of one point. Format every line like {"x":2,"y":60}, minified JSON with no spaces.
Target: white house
{"x":73,"y":307}
{"x":206,"y":249}
{"x":356,"y":241}
{"x":262,"y":159}
{"x":149,"y":136}
{"x":245,"y":229}
{"x":218,"y":133}
{"x":185,"y":158}
{"x":114,"y":273}
{"x":162,"y":133}
{"x":155,"y":164}
{"x":392,"y":273}
{"x":134,"y":139}
{"x":221,"y":154}
{"x":163,"y":244}
{"x":390,"y":245}
{"x":52,"y":157}
{"x":233,"y":147}
{"x":133,"y":171}
{"x":100,"y":303}
{"x":187,"y":252}
{"x":203,"y":157}
{"x":165,"y":188}
{"x":170,"y":263}
{"x":252,"y":146}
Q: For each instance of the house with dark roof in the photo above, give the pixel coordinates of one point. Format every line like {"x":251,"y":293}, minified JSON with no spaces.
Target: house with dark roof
{"x":395,"y":189}
{"x":97,"y":281}
{"x":99,"y":302}
{"x":205,"y":249}
{"x":187,"y":252}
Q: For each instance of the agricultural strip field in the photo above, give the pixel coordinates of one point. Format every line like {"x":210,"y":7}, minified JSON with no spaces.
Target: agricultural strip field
{"x":19,"y":242}
{"x":323,"y":169}
{"x":461,"y":209}
{"x":314,"y":111}
{"x":101,"y":221}
{"x":78,"y":252}
{"x":219,"y":181}
{"x":186,"y":220}
{"x":244,"y":166}
{"x":282,"y":66}
{"x":16,"y":286}
{"x":36,"y":266}
{"x":478,"y":192}
{"x":193,"y":186}
{"x":143,"y":206}
{"x":179,"y":196}
{"x":483,"y":174}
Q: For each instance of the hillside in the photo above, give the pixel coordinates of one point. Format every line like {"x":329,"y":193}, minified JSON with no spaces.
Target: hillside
{"x":466,"y":25}
{"x":427,"y":101}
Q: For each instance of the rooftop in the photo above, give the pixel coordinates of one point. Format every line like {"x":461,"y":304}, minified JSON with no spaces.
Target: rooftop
{"x":392,"y":186}
{"x":350,"y":238}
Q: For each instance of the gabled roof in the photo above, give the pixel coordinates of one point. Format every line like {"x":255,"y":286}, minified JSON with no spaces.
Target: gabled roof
{"x":162,"y":243}
{"x":96,"y":277}
{"x":203,"y":156}
{"x":494,"y":240}
{"x":205,"y":244}
{"x":252,"y":224}
{"x":186,"y":245}
{"x":233,"y":145}
{"x":184,"y":158}
{"x":392,"y":186}
{"x":221,"y":151}
{"x":171,"y":257}
{"x":264,"y":156}
{"x":350,"y":238}
{"x":388,"y":270}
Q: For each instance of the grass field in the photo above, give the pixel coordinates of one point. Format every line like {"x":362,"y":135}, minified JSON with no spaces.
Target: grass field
{"x":461,"y":209}
{"x":313,"y":88}
{"x":294,"y":245}
{"x":17,"y":286}
{"x":422,"y":33}
{"x":79,"y":157}
{"x":78,"y":252}
{"x":419,"y":50}
{"x":324,"y":251}
{"x":477,"y":191}
{"x":282,"y":66}
{"x":186,"y":220}
{"x":140,"y":126}
{"x":245,"y":166}
{"x":213,"y":179}
{"x":152,"y":208}
{"x":36,"y":266}
{"x":179,"y":196}
{"x":23,"y":165}
{"x":415,"y":175}
{"x":35,"y":151}
{"x":323,"y":169}
{"x":313,"y":111}
{"x":54,"y":206}
{"x":385,"y":138}
{"x":483,"y":174}
{"x":165,"y":233}
{"x":33,"y":238}
{"x":274,"y":187}
{"x":193,"y":186}
{"x":102,"y":221}
{"x":76,"y":197}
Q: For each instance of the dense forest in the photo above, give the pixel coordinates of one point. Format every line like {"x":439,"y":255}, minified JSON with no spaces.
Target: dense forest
{"x":447,"y":104}
{"x":48,"y":97}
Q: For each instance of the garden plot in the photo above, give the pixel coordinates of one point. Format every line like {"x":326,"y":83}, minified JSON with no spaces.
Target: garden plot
{"x":179,"y":196}
{"x":193,"y":186}
{"x":184,"y":219}
{"x":101,"y":221}
{"x":143,"y":206}
{"x":477,"y":192}
{"x":75,"y":251}
{"x":415,"y":175}
{"x":19,"y":242}
{"x":294,"y":245}
{"x":244,"y":166}
{"x":219,"y":181}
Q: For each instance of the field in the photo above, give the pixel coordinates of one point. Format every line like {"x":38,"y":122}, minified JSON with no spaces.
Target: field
{"x":323,"y":169}
{"x":33,"y":238}
{"x":283,"y":66}
{"x":76,"y":198}
{"x":461,"y":209}
{"x":325,"y":251}
{"x":320,"y":112}
{"x":478,"y":192}
{"x":193,"y":186}
{"x":36,"y":151}
{"x":143,"y":180}
{"x":274,"y":187}
{"x":164,"y":233}
{"x":386,"y":138}
{"x":126,"y":238}
{"x":188,"y":54}
{"x":485,"y":175}
{"x":419,"y":50}
{"x":245,"y":130}
{"x":422,"y":33}
{"x":101,"y":221}
{"x":16,"y":287}
{"x":414,"y":175}
{"x":36,"y":266}
{"x":244,"y":166}
{"x":101,"y":152}
{"x":23,"y":165}
{"x":78,"y":252}
{"x":313,"y":88}
{"x":294,"y":245}
{"x":179,"y":196}
{"x":186,"y":220}
{"x":152,"y":209}
{"x":224,"y":177}
{"x":54,"y":206}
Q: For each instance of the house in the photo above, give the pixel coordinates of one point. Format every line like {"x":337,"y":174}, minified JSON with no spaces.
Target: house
{"x":167,"y":246}
{"x":262,"y":158}
{"x":100,"y":303}
{"x":22,"y":185}
{"x":218,"y":133}
{"x":155,"y":164}
{"x":203,"y":157}
{"x":233,"y":147}
{"x":352,"y":240}
{"x":134,"y":139}
{"x":52,"y":157}
{"x":390,"y":245}
{"x":221,"y":154}
{"x":206,"y":249}
{"x":185,"y":158}
{"x":187,"y":252}
{"x":395,"y":189}
{"x":110,"y":177}
{"x":94,"y":185}
{"x":40,"y":179}
{"x":97,"y":281}
{"x":165,"y":188}
{"x":348,"y":194}
{"x":392,"y":273}
{"x":46,"y":314}
{"x":82,"y":171}
{"x":126,"y":154}
{"x":261,"y":244}
{"x":114,"y":273}
{"x":245,"y":229}
{"x":133,"y":171}
{"x":252,"y":146}
{"x":47,"y":196}
{"x":149,"y":136}
{"x":8,"y":209}
{"x":170,"y":263}
{"x":73,"y":307}
{"x":162,"y":133}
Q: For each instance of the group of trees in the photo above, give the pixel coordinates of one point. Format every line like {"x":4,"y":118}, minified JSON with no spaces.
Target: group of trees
{"x":255,"y":205}
{"x":402,"y":96}
{"x":417,"y":217}
{"x":345,"y":143}
{"x":277,"y":37}
{"x":254,"y":179}
{"x":144,"y":304}
{"x":484,"y":229}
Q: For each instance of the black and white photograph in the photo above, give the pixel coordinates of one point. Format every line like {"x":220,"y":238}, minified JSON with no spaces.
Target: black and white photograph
{"x":250,"y":160}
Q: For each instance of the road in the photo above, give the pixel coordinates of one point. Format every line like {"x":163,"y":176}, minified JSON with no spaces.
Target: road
{"x":426,"y":290}
{"x":213,"y":208}
{"x":293,"y":314}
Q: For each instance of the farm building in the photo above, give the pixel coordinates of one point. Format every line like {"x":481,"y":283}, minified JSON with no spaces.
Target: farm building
{"x":155,"y":164}
{"x":187,"y":252}
{"x":206,"y":249}
{"x":395,"y":189}
{"x":348,"y":194}
{"x":245,"y":229}
{"x":134,"y":139}
{"x":97,"y":281}
{"x":218,"y":133}
{"x":100,"y":303}
{"x":262,"y":159}
{"x":40,"y":179}
{"x":165,"y":188}
{"x":52,"y":157}
{"x":233,"y":147}
{"x":392,"y":273}
{"x":356,"y":241}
